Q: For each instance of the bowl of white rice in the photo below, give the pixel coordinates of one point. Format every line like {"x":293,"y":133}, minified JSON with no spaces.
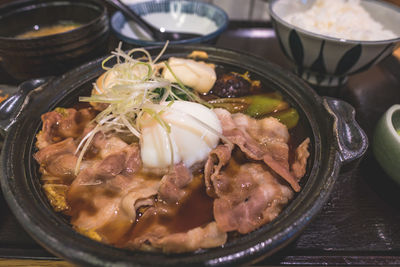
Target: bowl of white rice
{"x":328,"y":40}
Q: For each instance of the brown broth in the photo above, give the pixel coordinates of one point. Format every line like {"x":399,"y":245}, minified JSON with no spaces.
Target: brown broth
{"x":86,"y":193}
{"x":193,"y":211}
{"x":196,"y":211}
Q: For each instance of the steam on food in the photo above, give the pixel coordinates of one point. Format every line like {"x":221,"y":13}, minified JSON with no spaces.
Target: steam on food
{"x":149,"y":164}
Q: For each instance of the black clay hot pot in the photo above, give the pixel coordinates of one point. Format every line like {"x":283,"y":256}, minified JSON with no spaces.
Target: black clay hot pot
{"x":336,"y":140}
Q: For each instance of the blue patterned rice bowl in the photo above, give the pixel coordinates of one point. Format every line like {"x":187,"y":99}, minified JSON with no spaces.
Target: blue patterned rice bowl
{"x":327,"y":61}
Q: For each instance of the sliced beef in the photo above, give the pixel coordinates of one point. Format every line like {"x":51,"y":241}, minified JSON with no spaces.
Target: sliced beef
{"x":255,"y":197}
{"x":96,"y":208}
{"x":101,"y":144}
{"x":133,"y":161}
{"x":269,"y":132}
{"x":104,"y":196}
{"x":111,"y":166}
{"x":63,"y":166}
{"x":172,"y":185}
{"x":49,"y":152}
{"x":125,"y":162}
{"x":208,"y":236}
{"x":217,"y":158}
{"x":63,"y":123}
{"x":58,"y":159}
{"x":300,"y":161}
{"x":110,"y":208}
{"x":282,"y":171}
{"x":105,"y":145}
{"x":264,"y":139}
{"x":249,"y":193}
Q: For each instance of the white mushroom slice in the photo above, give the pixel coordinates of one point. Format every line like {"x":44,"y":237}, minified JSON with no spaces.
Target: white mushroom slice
{"x":197,"y":75}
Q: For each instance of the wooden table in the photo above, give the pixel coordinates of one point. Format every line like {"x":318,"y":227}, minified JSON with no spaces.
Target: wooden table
{"x":359,"y":225}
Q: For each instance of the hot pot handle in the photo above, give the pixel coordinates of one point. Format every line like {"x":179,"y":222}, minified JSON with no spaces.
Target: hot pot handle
{"x":351,"y":139}
{"x":13,"y":105}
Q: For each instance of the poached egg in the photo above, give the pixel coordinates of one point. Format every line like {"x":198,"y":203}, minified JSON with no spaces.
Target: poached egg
{"x":194,"y":132}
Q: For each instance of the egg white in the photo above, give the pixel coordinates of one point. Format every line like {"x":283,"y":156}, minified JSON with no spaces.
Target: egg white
{"x":188,"y":140}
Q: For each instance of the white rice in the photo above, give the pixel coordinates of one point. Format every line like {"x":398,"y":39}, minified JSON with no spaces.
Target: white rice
{"x":344,"y":19}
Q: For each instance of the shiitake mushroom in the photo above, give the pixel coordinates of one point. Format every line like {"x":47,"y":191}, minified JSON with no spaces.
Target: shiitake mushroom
{"x":233,"y":84}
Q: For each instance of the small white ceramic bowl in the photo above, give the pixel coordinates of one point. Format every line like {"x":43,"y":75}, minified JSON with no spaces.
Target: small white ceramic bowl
{"x":327,"y":61}
{"x":173,"y":15}
{"x":386,"y":142}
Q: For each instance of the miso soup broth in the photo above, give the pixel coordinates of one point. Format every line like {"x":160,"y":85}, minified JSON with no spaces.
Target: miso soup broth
{"x":40,"y":31}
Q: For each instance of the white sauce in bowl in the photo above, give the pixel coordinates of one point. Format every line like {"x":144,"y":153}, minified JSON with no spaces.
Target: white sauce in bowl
{"x":174,"y":22}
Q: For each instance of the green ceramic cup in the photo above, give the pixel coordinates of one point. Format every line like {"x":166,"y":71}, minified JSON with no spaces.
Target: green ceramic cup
{"x":386,"y":142}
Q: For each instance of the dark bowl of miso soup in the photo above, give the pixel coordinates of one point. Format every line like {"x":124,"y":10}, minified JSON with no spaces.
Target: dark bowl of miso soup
{"x":42,"y":38}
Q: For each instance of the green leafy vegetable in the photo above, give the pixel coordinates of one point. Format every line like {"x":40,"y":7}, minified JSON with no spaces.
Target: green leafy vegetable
{"x":289,"y":117}
{"x":259,"y":106}
{"x":175,"y":94}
